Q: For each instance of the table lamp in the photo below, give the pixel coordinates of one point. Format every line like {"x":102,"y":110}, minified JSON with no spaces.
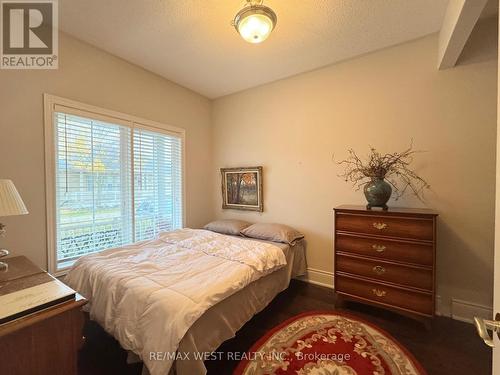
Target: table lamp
{"x":10,"y":204}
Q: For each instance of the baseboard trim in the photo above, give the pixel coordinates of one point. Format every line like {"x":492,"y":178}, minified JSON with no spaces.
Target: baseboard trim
{"x":465,"y":311}
{"x":318,"y":277}
{"x":461,"y":310}
{"x":457,"y":309}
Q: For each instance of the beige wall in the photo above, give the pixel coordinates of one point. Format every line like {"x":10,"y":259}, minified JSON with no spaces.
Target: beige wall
{"x":294,"y":126}
{"x":95,"y":77}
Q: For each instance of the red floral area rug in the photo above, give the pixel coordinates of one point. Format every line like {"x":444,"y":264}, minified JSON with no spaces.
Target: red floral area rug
{"x":328,"y":343}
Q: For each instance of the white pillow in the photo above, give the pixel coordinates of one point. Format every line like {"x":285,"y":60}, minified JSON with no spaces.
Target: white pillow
{"x":232,"y":227}
{"x":273,"y":232}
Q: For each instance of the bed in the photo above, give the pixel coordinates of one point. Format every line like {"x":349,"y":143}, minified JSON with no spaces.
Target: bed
{"x":185,"y":292}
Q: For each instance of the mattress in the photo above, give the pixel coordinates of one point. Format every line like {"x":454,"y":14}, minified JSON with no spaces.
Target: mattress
{"x":222,"y":321}
{"x":149,"y":294}
{"x":185,"y":292}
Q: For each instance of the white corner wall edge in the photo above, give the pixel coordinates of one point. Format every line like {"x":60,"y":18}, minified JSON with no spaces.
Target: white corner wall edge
{"x":459,"y":21}
{"x":496,"y":260}
{"x":457,"y":309}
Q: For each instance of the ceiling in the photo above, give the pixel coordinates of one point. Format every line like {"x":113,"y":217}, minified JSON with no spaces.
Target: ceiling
{"x":192,"y":42}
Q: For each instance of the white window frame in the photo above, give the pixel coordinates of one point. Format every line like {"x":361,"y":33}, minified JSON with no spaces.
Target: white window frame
{"x":97,"y":113}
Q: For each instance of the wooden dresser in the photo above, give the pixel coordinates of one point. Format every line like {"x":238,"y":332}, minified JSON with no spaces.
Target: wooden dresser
{"x":387,"y":258}
{"x":43,"y":342}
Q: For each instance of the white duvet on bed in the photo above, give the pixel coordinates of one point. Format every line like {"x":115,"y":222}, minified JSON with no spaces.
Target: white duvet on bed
{"x":147,"y":295}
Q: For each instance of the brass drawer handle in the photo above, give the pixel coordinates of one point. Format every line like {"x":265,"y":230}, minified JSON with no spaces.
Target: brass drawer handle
{"x":379,"y":293}
{"x":378,"y":248}
{"x":379,"y":270}
{"x":380,"y":226}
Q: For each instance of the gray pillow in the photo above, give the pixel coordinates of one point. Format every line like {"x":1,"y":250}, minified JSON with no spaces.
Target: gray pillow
{"x":233,"y":227}
{"x":273,"y":232}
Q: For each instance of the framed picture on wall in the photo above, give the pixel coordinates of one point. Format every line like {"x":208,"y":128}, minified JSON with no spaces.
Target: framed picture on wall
{"x":242,"y":188}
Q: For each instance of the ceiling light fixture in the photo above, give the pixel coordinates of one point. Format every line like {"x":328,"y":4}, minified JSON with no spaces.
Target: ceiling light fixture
{"x":255,"y":21}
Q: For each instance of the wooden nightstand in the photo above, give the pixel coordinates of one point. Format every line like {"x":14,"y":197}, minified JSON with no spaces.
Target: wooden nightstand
{"x":387,"y":258}
{"x":43,"y":342}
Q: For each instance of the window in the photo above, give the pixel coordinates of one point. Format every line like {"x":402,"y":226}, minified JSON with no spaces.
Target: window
{"x":157,"y":183}
{"x":112,"y":179}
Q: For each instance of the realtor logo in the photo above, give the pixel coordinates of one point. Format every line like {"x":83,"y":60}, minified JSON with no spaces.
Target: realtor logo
{"x":28,"y":34}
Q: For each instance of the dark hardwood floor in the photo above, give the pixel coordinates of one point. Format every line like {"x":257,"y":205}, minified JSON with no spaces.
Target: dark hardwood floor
{"x":448,"y":348}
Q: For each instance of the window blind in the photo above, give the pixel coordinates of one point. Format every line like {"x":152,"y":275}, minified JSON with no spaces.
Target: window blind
{"x":157,"y":183}
{"x":114,"y":185}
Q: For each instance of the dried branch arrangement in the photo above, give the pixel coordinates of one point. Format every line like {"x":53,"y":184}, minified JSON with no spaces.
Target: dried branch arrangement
{"x":394,"y":168}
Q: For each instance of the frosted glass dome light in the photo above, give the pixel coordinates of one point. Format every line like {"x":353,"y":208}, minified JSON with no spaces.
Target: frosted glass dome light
{"x":255,"y":22}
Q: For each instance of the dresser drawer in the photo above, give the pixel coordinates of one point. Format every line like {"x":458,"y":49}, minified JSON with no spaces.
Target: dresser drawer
{"x":406,"y":276}
{"x":382,"y":294}
{"x":400,"y":227}
{"x":390,"y":250}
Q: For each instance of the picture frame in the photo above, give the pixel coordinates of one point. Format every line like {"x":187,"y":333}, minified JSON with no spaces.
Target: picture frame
{"x":242,"y":188}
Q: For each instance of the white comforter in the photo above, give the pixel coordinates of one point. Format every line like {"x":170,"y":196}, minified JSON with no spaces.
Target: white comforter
{"x":147,"y":295}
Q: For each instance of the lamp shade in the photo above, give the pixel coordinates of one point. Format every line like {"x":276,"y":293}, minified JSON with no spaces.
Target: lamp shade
{"x":10,"y":200}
